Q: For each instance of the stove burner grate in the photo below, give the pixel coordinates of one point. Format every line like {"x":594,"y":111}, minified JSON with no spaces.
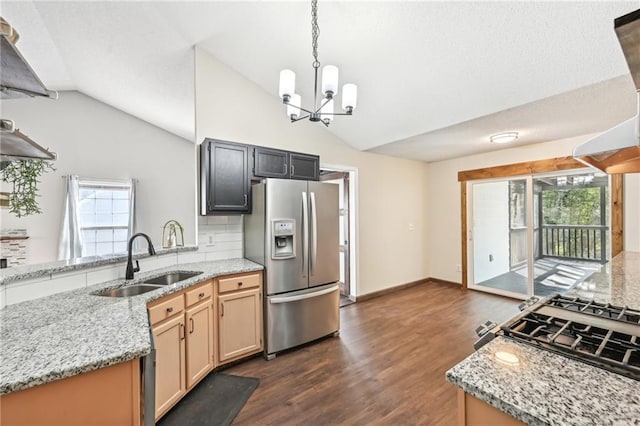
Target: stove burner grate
{"x":603,"y":310}
{"x":612,"y":350}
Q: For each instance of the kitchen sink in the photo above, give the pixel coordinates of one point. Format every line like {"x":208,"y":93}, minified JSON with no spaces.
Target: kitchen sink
{"x":132,"y":290}
{"x":171,"y":278}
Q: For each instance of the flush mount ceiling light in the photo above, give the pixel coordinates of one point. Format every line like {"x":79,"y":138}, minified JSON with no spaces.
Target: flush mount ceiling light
{"x":324,"y":111}
{"x":504,"y":137}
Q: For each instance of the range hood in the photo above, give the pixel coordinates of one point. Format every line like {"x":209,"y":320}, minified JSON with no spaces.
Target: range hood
{"x":15,"y":145}
{"x":17,"y":78}
{"x":618,"y":149}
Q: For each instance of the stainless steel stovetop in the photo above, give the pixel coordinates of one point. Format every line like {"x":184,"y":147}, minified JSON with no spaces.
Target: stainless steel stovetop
{"x":599,"y":334}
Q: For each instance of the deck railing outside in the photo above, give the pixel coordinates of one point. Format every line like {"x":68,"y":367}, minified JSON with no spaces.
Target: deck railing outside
{"x":582,"y":242}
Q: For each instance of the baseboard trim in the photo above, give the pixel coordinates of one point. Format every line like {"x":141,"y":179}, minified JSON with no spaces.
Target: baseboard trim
{"x":441,"y":281}
{"x":374,"y":294}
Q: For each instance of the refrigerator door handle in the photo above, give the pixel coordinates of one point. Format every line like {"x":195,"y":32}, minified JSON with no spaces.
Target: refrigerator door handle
{"x":286,"y":299}
{"x":313,"y":244}
{"x":305,"y":233}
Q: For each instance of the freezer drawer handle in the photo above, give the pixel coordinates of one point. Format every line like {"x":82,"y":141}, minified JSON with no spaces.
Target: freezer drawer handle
{"x":286,"y":299}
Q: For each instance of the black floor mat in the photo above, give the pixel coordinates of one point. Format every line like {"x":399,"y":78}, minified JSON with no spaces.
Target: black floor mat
{"x":216,"y":400}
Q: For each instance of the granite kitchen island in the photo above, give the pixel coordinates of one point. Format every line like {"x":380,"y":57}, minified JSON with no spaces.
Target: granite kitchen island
{"x":546,"y":388}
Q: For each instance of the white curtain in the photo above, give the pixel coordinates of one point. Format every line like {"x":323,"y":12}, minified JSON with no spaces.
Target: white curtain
{"x":132,"y":212}
{"x":70,"y":245}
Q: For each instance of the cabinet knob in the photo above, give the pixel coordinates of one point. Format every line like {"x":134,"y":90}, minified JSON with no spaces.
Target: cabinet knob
{"x":240,"y":283}
{"x":201,"y":295}
{"x":169,"y":310}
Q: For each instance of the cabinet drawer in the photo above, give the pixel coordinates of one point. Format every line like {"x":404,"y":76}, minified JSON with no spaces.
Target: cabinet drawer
{"x":202,"y":292}
{"x":166,"y":308}
{"x":238,"y":283}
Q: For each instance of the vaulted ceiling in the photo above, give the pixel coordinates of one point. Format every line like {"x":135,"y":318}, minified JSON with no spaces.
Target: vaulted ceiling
{"x":435,"y":79}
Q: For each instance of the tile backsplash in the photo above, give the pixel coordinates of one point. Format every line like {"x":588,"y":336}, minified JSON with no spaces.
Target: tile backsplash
{"x":220,"y":237}
{"x":14,"y":247}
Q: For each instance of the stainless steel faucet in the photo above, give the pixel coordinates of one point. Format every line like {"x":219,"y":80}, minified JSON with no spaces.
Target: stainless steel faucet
{"x":130,"y":269}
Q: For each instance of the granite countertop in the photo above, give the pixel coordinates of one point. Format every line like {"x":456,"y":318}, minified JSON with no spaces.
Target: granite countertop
{"x":25,"y":272}
{"x":69,"y":333}
{"x":546,"y":388}
{"x":617,"y":282}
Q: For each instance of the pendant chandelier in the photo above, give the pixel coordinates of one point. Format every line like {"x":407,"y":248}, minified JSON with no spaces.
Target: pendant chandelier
{"x":321,"y":111}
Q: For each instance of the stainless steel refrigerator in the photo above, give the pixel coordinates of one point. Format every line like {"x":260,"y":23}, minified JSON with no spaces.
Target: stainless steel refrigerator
{"x":293,"y":232}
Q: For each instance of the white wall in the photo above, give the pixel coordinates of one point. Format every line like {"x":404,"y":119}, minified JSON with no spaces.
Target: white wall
{"x":490,"y":228}
{"x":632,"y":212}
{"x":391,"y":191}
{"x":95,"y":140}
{"x":443,"y":190}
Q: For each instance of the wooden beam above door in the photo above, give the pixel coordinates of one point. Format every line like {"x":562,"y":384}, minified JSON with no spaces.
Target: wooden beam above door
{"x":520,"y":169}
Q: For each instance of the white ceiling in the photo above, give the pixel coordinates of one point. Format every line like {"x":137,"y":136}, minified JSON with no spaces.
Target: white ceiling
{"x":435,"y":79}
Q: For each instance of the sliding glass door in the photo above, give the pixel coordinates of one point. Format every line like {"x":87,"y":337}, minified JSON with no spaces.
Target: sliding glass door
{"x":537,"y":235}
{"x":499,"y":237}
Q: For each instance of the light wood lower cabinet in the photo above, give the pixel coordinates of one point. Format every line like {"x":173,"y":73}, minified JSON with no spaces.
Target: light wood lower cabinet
{"x":239,"y":317}
{"x":199,"y":323}
{"x":192,"y":327}
{"x":182,"y":326}
{"x":474,"y":412}
{"x":168,"y":337}
{"x":108,"y":396}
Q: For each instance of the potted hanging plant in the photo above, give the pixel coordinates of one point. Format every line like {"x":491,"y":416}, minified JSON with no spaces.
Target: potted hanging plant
{"x":23,"y":176}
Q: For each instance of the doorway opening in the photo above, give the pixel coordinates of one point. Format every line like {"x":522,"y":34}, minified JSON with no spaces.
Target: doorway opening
{"x":343,"y":179}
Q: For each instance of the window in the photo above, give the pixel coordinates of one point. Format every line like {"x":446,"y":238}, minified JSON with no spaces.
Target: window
{"x":105,"y":213}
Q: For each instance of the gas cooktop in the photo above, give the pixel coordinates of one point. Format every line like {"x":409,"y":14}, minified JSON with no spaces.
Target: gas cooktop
{"x":600,"y":334}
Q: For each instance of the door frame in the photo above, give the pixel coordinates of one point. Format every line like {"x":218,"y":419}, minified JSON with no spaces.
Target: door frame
{"x":549,"y":165}
{"x":351,"y":196}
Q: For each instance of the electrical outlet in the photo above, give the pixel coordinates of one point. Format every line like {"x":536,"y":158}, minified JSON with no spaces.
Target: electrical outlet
{"x":210,"y":239}
{"x":458,"y":267}
{"x":411,"y":227}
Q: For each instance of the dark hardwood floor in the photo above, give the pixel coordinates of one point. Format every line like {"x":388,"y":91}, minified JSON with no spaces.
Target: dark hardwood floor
{"x":387,"y":367}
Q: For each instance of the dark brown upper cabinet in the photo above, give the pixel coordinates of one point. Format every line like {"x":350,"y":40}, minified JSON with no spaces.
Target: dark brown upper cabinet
{"x":275,"y":163}
{"x":304,"y":166}
{"x":224,"y":177}
{"x":227,"y":168}
{"x":270,"y":163}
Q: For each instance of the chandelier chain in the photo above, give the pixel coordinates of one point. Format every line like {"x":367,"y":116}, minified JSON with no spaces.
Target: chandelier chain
{"x":315,"y":32}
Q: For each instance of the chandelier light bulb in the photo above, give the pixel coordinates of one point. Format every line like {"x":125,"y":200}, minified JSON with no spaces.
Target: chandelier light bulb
{"x":326,"y":112}
{"x":329,"y":81}
{"x":287,"y":84}
{"x":293,"y":108}
{"x":349,"y":97}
